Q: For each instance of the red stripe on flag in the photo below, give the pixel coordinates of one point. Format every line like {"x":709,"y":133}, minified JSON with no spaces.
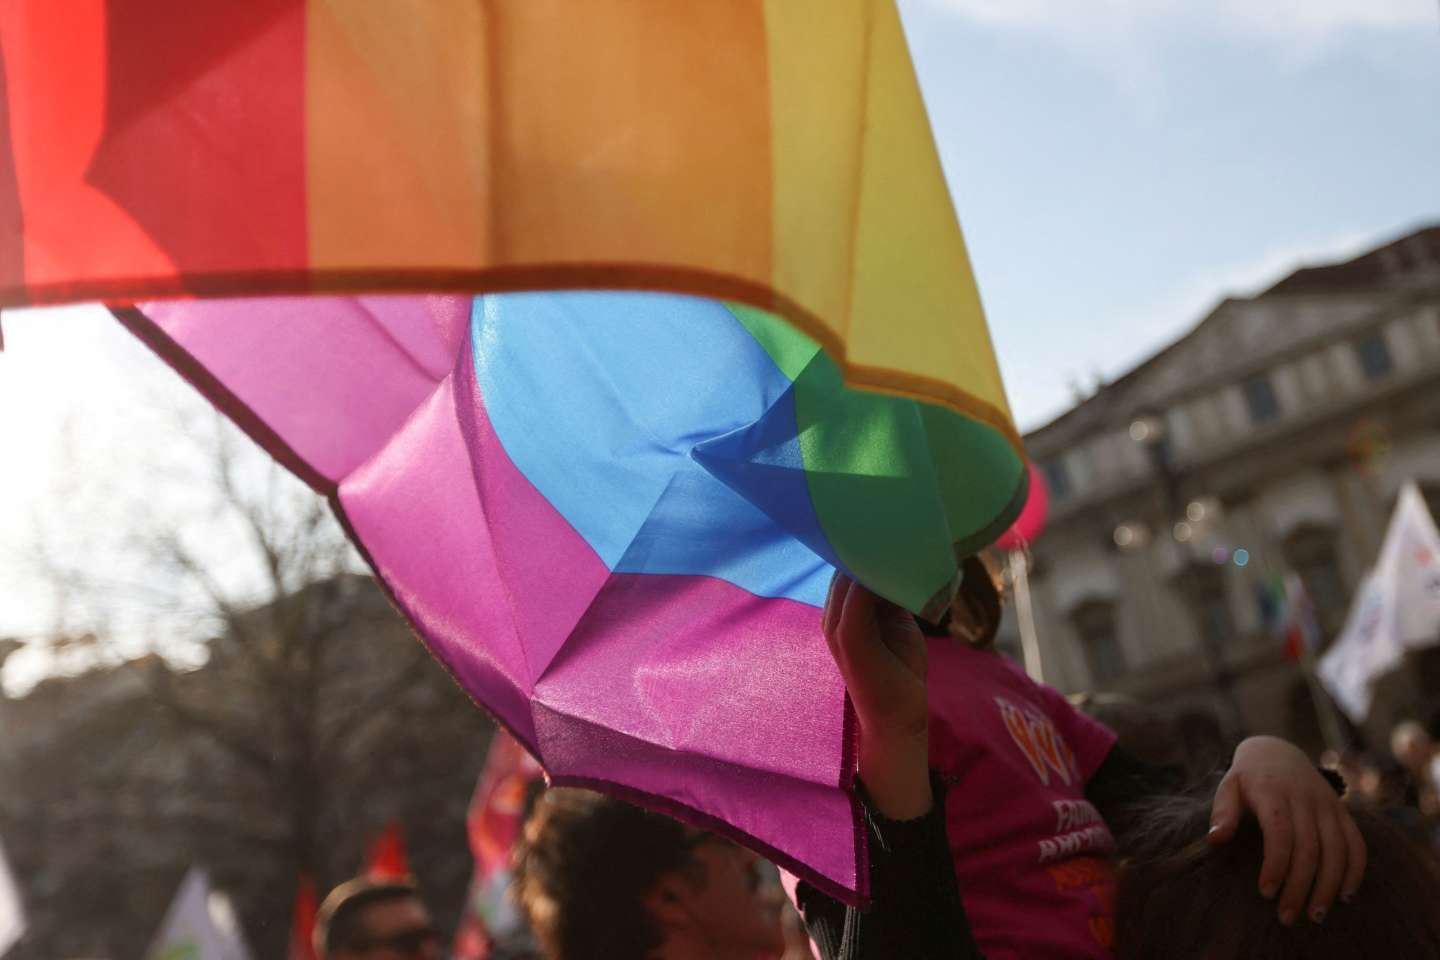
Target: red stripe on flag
{"x":203,"y":143}
{"x":12,"y":235}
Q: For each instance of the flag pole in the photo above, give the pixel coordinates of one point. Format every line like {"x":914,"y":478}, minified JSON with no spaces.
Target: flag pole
{"x":1025,"y":615}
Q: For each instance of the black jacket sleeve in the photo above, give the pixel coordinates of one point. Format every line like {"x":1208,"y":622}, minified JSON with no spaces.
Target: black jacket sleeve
{"x":915,"y":911}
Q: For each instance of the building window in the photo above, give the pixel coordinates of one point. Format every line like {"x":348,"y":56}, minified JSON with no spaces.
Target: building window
{"x":1057,"y":478}
{"x":1260,"y":398}
{"x":1100,"y":637}
{"x":1310,"y":552}
{"x":1374,"y":355}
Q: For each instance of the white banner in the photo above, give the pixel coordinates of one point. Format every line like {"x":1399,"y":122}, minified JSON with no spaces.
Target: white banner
{"x":1397,"y":608}
{"x":12,"y":917}
{"x":200,"y":925}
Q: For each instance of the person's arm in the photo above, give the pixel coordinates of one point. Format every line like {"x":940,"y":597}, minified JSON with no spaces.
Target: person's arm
{"x":1313,"y":851}
{"x":915,"y":909}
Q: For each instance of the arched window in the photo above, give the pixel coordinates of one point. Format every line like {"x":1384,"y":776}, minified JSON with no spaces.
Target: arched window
{"x":1310,"y":552}
{"x":1095,"y":624}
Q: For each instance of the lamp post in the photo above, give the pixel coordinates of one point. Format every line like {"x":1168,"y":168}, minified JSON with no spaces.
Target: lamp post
{"x":1149,"y":431}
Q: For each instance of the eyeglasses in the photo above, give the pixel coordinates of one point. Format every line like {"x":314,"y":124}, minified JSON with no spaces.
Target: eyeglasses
{"x":406,"y":943}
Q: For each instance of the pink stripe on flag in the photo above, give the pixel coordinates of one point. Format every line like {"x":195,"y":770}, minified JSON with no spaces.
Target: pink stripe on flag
{"x":692,"y":669}
{"x":684,"y":693}
{"x":549,"y":572}
{"x":414,"y":508}
{"x":332,"y":377}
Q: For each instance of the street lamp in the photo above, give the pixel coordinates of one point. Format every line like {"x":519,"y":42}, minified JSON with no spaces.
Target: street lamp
{"x":1149,"y":429}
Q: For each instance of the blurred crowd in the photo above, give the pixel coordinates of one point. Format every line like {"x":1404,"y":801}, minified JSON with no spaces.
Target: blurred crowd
{"x":596,"y":877}
{"x":1403,"y":781}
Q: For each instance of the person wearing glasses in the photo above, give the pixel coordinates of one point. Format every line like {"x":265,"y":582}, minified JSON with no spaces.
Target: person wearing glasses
{"x":364,"y":919}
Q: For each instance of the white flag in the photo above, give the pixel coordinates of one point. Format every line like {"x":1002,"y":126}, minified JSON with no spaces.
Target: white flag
{"x":1396,"y":609}
{"x":200,"y":925}
{"x":12,"y":918}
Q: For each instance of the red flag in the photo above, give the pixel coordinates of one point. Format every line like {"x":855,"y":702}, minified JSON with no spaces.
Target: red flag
{"x":302,"y":922}
{"x":494,"y":819}
{"x":494,"y":822}
{"x":387,"y":859}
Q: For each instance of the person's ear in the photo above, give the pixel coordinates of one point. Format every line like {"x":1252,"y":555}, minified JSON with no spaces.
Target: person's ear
{"x":669,"y":901}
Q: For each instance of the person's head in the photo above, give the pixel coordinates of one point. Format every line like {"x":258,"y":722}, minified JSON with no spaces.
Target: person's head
{"x":600,"y":878}
{"x":364,"y":919}
{"x":1180,"y":898}
{"x":974,"y":614}
{"x":1411,"y":745}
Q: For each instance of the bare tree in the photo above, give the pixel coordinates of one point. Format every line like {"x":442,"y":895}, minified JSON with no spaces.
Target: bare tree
{"x":298,"y":711}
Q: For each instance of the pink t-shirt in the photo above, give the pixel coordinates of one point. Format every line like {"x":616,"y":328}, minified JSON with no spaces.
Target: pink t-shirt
{"x":1033,"y":857}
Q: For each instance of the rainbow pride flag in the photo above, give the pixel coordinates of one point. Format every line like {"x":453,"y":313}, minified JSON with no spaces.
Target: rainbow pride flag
{"x":406,"y":252}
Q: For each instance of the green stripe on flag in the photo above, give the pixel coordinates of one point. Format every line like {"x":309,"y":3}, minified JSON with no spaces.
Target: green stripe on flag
{"x":899,"y":487}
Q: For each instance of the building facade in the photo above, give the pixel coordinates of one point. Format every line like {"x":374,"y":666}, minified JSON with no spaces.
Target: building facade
{"x":1272,"y":438}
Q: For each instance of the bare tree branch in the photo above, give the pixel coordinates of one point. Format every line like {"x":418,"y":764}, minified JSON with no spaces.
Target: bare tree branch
{"x":158,"y":681}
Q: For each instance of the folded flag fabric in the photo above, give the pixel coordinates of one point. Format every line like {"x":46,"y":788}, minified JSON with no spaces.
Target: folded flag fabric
{"x":302,"y":921}
{"x":493,"y":825}
{"x":611,"y":515}
{"x":774,"y":152}
{"x":1289,"y":614}
{"x":385,"y":858}
{"x":1396,"y":608}
{"x":200,"y":925}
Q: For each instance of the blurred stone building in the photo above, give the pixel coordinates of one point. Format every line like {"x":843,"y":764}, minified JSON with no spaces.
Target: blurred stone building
{"x":118,"y":780}
{"x":1273,"y":437}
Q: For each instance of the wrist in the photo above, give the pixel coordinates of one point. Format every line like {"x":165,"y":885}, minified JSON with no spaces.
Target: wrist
{"x":896,"y":772}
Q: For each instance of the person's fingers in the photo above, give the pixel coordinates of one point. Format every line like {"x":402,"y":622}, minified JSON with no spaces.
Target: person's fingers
{"x":856,"y":628}
{"x":1273,"y":812}
{"x":834,"y":602}
{"x":1225,"y":810}
{"x":1355,"y":856}
{"x":1333,"y":855}
{"x":860,"y":636}
{"x":1304,"y":860}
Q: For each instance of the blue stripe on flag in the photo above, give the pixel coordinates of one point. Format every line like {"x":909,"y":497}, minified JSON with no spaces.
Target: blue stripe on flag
{"x":600,"y":398}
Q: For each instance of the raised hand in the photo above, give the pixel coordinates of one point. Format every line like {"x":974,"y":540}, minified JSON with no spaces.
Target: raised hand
{"x":881,"y":655}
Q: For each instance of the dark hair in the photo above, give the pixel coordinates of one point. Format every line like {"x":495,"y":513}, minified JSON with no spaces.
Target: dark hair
{"x":584,"y":867}
{"x":1179,"y":898}
{"x":337,"y":923}
{"x":974,"y":614}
